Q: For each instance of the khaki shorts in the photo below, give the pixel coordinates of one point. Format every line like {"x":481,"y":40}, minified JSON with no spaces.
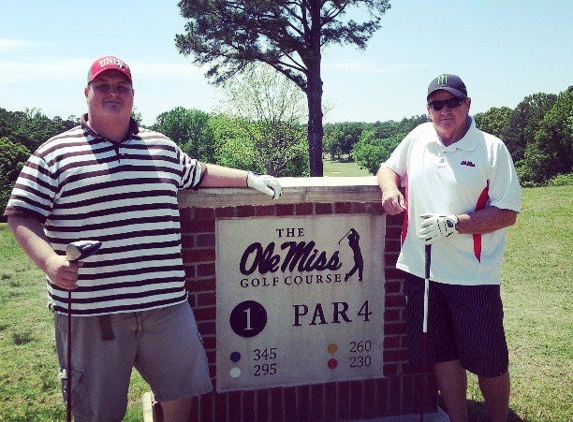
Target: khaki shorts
{"x":164,"y":345}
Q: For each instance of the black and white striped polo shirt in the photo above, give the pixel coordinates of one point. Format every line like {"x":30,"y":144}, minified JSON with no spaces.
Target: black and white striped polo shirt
{"x":124,"y":194}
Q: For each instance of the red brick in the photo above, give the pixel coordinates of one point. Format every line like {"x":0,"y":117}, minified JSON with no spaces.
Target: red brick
{"x":205,"y":403}
{"x":284,"y":209}
{"x":221,"y":407}
{"x":395,"y":395}
{"x":246,"y":211}
{"x":391,"y":315}
{"x":203,"y":213}
{"x":356,"y":404}
{"x":374,"y":208}
{"x":200,"y":255}
{"x":289,"y":404}
{"x":321,"y":208}
{"x":398,"y":355}
{"x":203,"y":226}
{"x":393,"y":287}
{"x":370,"y":407}
{"x":390,"y":369}
{"x":205,"y":239}
{"x":343,"y":400}
{"x":249,"y":406}
{"x":225,"y":212}
{"x":303,"y":403}
{"x":394,"y":328}
{"x":203,"y":314}
{"x":234,"y":401}
{"x":395,"y":301}
{"x":343,"y":207}
{"x":317,"y":402}
{"x":205,"y":270}
{"x":265,"y":211}
{"x":392,"y":342}
{"x":277,"y":401}
{"x":206,"y":328}
{"x":202,"y":285}
{"x":304,"y":209}
{"x":330,"y":401}
{"x":206,"y":299}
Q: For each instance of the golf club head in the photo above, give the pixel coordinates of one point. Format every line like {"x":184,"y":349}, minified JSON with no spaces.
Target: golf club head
{"x":82,"y":249}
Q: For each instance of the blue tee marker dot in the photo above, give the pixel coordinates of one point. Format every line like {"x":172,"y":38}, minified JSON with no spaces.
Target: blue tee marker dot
{"x":235,"y":357}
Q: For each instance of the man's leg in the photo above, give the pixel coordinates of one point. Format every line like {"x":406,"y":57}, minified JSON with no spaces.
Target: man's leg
{"x":495,"y":392}
{"x":176,"y":410}
{"x":452,"y":381}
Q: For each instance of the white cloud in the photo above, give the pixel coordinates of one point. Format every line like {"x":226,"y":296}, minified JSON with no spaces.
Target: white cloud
{"x":7,"y":44}
{"x":371,"y":68}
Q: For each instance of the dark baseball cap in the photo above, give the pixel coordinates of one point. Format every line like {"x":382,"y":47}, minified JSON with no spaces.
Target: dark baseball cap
{"x":450,"y":83}
{"x":109,"y":63}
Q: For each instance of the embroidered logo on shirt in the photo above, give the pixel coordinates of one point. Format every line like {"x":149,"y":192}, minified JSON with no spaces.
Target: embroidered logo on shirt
{"x":467,"y":163}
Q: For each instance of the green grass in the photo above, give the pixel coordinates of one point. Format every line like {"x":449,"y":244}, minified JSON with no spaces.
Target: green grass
{"x":343,"y":168}
{"x":537,"y":290}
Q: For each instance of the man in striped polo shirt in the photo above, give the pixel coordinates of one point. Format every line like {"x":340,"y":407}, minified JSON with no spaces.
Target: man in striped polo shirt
{"x":109,"y":180}
{"x":461,"y":191}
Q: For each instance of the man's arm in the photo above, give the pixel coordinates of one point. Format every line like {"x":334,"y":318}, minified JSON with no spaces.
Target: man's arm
{"x":215,"y":176}
{"x":485,"y":221}
{"x":435,"y":226}
{"x":392,"y":199}
{"x":29,"y":234}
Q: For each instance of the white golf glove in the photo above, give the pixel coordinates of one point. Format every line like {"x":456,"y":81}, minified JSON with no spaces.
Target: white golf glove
{"x":266,"y":184}
{"x":435,"y":227}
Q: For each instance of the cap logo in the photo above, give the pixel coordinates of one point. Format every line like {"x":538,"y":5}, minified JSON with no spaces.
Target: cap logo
{"x":111,"y":60}
{"x":442,"y":79}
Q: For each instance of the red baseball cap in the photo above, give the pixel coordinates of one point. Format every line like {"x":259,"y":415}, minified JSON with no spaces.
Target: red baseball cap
{"x":108,"y":63}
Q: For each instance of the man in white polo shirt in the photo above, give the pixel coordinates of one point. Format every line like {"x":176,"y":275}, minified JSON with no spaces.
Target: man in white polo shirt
{"x":460,"y":192}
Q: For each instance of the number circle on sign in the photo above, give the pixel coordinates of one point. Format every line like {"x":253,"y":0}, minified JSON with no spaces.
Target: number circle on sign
{"x":248,"y":318}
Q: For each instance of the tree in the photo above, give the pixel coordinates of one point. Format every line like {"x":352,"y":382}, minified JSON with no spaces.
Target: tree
{"x":268,"y":110}
{"x":189,"y":129}
{"x":13,"y":156}
{"x":377,"y":143}
{"x":370,"y":151}
{"x":342,"y":137}
{"x":551,"y":152}
{"x":524,"y":122}
{"x":494,"y":120}
{"x":286,"y":34}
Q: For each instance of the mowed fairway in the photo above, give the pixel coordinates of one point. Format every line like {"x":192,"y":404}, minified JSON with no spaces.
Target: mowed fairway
{"x":537,"y":292}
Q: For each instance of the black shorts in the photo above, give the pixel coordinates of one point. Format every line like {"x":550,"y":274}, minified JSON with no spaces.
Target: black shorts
{"x":464,"y":322}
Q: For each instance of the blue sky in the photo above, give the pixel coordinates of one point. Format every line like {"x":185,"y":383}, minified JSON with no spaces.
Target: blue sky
{"x":504,"y":50}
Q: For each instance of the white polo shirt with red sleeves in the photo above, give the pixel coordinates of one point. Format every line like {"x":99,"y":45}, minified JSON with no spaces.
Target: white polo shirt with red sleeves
{"x":473,"y":173}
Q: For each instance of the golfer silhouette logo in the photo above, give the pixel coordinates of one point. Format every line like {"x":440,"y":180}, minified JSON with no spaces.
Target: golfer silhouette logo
{"x":354,"y":243}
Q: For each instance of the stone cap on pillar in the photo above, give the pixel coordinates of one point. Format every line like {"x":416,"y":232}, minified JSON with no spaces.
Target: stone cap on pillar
{"x":294,"y":190}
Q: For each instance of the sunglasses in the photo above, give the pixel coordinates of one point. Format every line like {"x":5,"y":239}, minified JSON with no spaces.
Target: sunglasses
{"x":451,"y":103}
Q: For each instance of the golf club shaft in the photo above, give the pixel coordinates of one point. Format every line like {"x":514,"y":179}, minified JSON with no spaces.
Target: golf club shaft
{"x":69,"y":362}
{"x":427,"y":264}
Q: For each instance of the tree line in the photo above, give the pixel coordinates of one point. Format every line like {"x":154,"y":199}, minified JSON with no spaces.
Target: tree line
{"x":260,"y":128}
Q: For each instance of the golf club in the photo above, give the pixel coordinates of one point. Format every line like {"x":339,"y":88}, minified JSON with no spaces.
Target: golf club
{"x":75,"y":251}
{"x":427,"y":263}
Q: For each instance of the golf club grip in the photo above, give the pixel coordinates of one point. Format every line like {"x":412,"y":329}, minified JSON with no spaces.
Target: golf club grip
{"x":427,"y":261}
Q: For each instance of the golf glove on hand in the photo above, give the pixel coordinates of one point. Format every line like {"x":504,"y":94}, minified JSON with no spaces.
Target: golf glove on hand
{"x":266,"y":184}
{"x":435,"y":227}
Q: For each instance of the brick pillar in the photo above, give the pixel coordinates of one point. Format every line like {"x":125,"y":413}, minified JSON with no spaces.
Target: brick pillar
{"x":395,"y":392}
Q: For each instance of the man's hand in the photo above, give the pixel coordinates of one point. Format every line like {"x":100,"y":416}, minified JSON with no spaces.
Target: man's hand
{"x":62,"y":272}
{"x":268,"y":185}
{"x":393,"y":202}
{"x":435,"y":227}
